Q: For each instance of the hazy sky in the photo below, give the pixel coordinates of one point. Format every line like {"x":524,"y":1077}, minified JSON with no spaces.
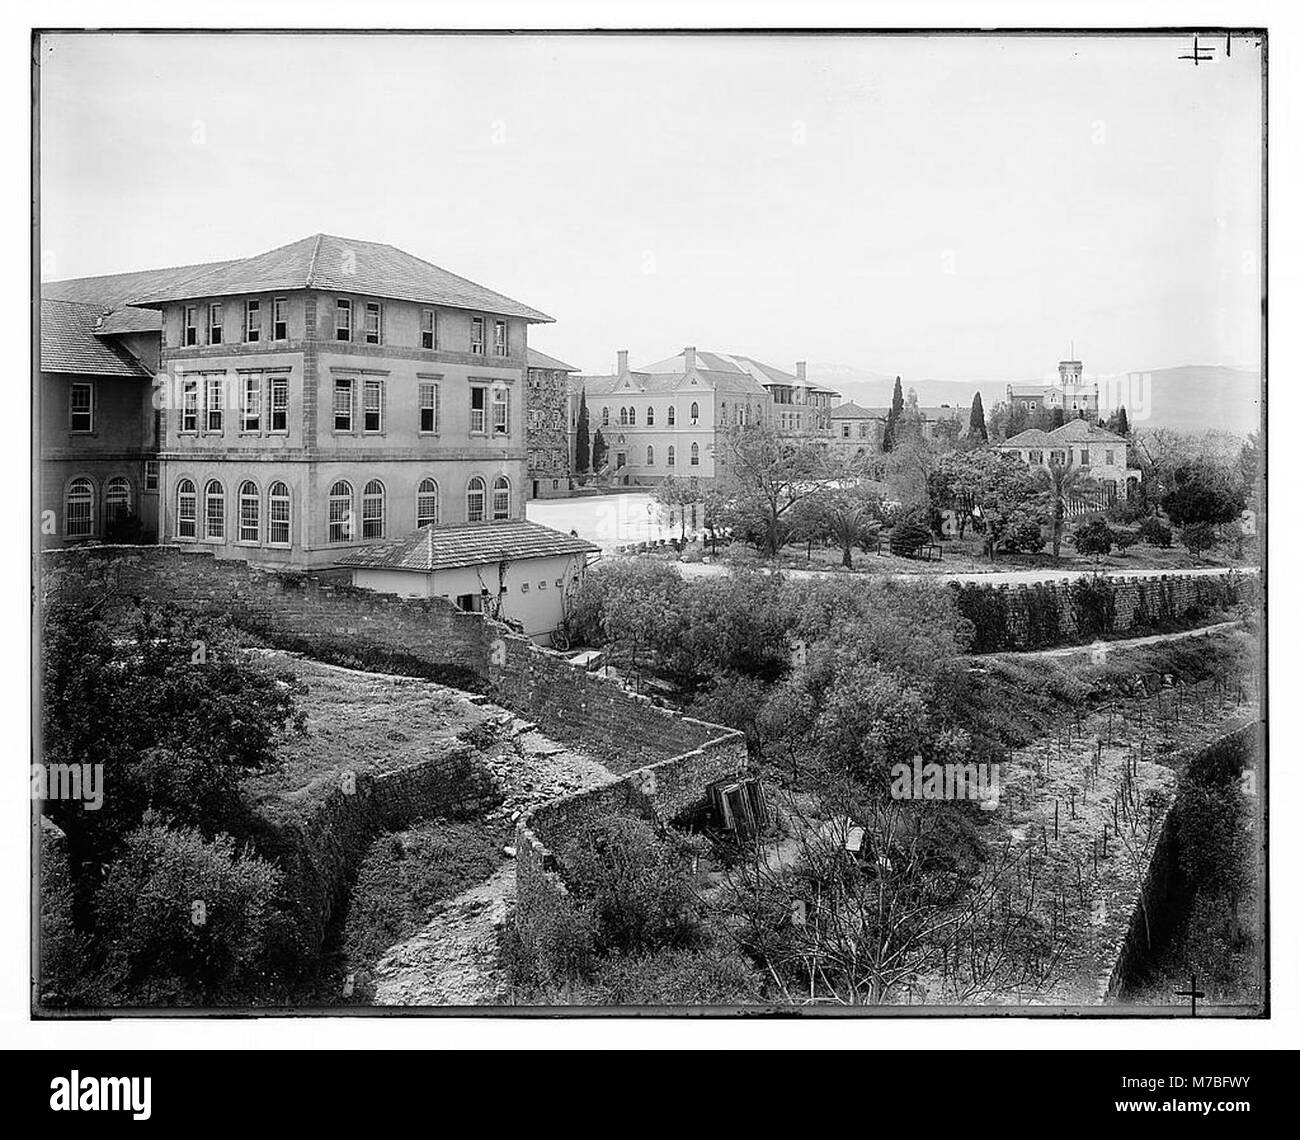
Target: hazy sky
{"x":956,"y":207}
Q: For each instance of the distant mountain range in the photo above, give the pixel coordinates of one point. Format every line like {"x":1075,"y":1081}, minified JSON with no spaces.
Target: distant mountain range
{"x":1191,"y":397}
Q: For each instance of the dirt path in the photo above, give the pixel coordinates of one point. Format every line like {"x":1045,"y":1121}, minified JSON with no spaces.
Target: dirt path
{"x":453,"y":959}
{"x":1128,"y":642}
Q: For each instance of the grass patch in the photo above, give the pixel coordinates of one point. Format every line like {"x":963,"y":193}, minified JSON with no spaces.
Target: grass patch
{"x":401,"y":881}
{"x":361,"y":723}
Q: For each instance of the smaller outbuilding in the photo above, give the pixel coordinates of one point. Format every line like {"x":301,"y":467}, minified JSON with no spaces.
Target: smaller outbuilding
{"x":517,"y":572}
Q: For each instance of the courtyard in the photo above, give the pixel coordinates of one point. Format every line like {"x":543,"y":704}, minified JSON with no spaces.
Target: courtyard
{"x":607,"y":520}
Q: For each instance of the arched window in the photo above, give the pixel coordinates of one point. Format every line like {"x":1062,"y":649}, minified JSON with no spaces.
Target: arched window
{"x":117,"y":501}
{"x":187,"y":509}
{"x":475,"y":500}
{"x":672,"y":456}
{"x":722,"y":416}
{"x":622,"y":416}
{"x":278,"y":503}
{"x":604,"y":417}
{"x":426,"y":503}
{"x":214,"y":510}
{"x":631,"y":417}
{"x":650,"y":417}
{"x":372,"y":510}
{"x":79,"y":509}
{"x":250,"y":512}
{"x":501,"y":498}
{"x":650,"y":455}
{"x":672,"y":416}
{"x":341,"y":512}
{"x":695,"y":455}
{"x":695,"y":412}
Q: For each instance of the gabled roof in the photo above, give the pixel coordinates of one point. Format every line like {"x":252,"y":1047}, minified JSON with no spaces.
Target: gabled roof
{"x":541,"y":360}
{"x":69,"y":343}
{"x":112,"y":291}
{"x":1030,"y":437}
{"x":1083,"y":431}
{"x":852,"y":411}
{"x":447,"y":547}
{"x":1032,"y":389}
{"x":722,"y":372}
{"x":340,"y":265}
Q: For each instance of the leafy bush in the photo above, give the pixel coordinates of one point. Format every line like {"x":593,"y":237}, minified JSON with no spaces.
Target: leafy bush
{"x":1024,"y":536}
{"x":1198,"y":537}
{"x":185,"y":921}
{"x":1094,"y":537}
{"x":1157,"y":532}
{"x":175,"y":710}
{"x":909,"y":535}
{"x":1126,"y":537}
{"x":1093,"y":600}
{"x":634,"y":883}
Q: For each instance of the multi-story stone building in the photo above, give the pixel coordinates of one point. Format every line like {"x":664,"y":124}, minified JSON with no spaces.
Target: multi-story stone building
{"x":665,"y":418}
{"x":99,"y":474}
{"x":325,"y":395}
{"x":1072,"y":394}
{"x":546,"y":435}
{"x":1079,"y":443}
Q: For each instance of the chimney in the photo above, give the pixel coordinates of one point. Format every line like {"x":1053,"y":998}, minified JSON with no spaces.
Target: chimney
{"x":801,"y":371}
{"x":622,"y":361}
{"x":689,"y":354}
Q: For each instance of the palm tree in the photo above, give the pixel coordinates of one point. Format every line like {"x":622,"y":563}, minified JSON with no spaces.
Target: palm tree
{"x":848,"y":525}
{"x":1061,"y":483}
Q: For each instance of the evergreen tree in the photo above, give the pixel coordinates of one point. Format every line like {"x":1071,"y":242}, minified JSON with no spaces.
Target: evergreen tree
{"x":895,"y":415}
{"x":1120,"y":426}
{"x":598,"y":449}
{"x":979,"y":432}
{"x":1058,"y":418}
{"x":582,"y":457}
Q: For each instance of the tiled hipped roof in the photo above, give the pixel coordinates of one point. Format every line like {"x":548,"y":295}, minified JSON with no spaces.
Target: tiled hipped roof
{"x":69,"y":343}
{"x":447,"y":547}
{"x":341,"y":265}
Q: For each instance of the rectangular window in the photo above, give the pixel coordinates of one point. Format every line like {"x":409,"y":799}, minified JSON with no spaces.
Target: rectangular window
{"x":1083,"y":456}
{"x":280,"y":318}
{"x":501,"y":411}
{"x":250,"y":413}
{"x":252,"y":321}
{"x":1110,"y":458}
{"x":373,"y":321}
{"x":428,"y":407}
{"x":342,"y":405}
{"x":342,"y":319}
{"x":428,"y":329}
{"x":476,"y":336}
{"x":478,"y":410}
{"x":82,"y":405}
{"x":189,"y":405}
{"x":279,"y":403}
{"x":372,"y":406}
{"x":214,"y":393}
{"x":191,"y":325}
{"x":151,"y":474}
{"x":216,"y":325}
{"x":500,"y":339}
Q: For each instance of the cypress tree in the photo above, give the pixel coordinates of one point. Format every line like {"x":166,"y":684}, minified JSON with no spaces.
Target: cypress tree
{"x":598,"y":449}
{"x":979,"y":432}
{"x":582,"y":456}
{"x":1121,"y":422}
